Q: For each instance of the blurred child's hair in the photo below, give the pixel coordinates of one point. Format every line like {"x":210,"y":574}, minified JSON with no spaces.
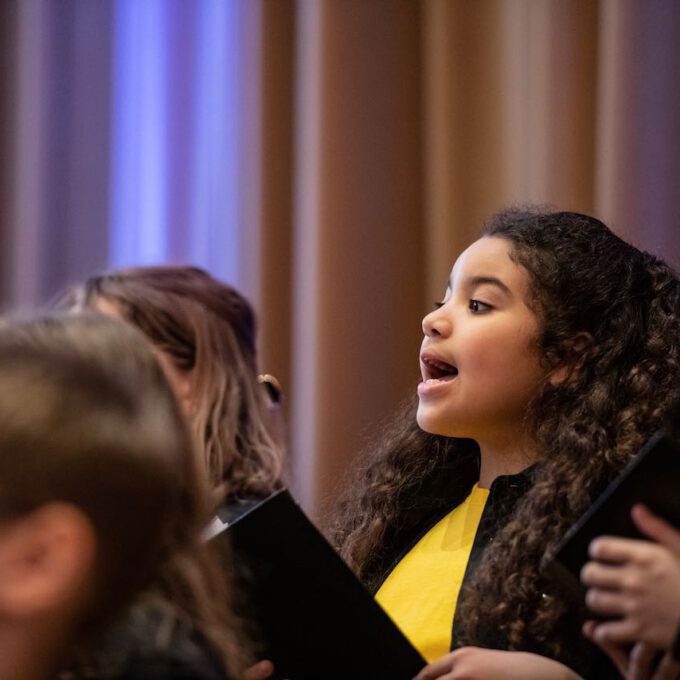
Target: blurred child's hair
{"x":86,"y":417}
{"x":209,"y":328}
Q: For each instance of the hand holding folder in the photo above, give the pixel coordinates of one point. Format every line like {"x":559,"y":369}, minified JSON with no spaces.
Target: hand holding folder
{"x":651,"y":478}
{"x":637,"y":583}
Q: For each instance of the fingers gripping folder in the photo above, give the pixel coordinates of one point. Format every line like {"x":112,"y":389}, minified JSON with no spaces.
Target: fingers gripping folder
{"x":652,"y":477}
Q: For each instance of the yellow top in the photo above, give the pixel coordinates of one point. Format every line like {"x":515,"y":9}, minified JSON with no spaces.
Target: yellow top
{"x":421,"y":592}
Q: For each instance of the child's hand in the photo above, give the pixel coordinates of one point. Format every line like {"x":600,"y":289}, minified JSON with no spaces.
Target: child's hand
{"x":262,"y":670}
{"x":631,"y":663}
{"x":640,"y":663}
{"x":638,"y":583}
{"x":474,"y":663}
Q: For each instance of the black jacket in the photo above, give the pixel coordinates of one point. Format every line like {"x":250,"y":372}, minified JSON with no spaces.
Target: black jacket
{"x":148,"y":643}
{"x":504,"y":494}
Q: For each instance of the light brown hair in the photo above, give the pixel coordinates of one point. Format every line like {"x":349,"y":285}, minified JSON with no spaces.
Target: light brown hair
{"x":89,"y":418}
{"x":209,"y":328}
{"x":86,"y":417}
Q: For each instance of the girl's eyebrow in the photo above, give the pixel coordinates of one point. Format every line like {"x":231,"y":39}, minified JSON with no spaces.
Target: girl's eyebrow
{"x":488,"y":280}
{"x":475,"y":281}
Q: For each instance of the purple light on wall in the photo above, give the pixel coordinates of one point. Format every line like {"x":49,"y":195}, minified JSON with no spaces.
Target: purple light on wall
{"x":216,"y":200}
{"x":138,"y":174}
{"x":147,"y":172}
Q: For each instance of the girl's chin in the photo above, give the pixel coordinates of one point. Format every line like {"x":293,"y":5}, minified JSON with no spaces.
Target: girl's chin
{"x":434,"y":422}
{"x":430,"y":423}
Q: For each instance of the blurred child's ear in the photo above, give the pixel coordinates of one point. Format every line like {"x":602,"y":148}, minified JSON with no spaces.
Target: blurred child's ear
{"x":575,"y":351}
{"x":46,"y":561}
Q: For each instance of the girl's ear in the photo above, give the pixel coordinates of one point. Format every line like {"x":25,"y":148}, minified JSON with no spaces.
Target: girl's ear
{"x":575,"y":352}
{"x":46,"y":562}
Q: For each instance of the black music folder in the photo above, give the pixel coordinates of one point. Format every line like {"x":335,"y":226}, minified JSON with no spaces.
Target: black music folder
{"x":652,"y":477}
{"x":317,"y":621}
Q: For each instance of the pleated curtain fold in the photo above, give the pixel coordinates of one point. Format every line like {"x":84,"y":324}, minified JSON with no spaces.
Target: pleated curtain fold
{"x":329,"y":157}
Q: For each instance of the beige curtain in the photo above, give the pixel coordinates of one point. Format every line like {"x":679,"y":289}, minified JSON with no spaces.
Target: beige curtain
{"x":413,"y":121}
{"x":377,"y":135}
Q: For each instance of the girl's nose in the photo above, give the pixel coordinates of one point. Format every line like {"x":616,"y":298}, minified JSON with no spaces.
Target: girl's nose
{"x":436,"y":324}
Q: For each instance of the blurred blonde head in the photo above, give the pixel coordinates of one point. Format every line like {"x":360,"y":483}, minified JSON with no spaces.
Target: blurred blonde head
{"x":204,"y":333}
{"x":87,"y":422}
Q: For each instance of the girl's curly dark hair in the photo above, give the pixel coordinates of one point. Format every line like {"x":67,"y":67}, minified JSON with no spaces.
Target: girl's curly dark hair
{"x":610,"y":315}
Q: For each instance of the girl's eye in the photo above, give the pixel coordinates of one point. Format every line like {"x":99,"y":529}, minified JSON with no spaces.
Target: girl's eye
{"x":439,"y":304}
{"x":478,"y":307}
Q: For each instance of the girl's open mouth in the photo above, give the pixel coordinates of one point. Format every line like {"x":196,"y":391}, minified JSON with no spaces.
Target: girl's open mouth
{"x":436,"y":370}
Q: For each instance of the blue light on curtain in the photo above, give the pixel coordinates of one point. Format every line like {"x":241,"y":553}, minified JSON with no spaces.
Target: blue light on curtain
{"x":138,"y":175}
{"x":215,"y":235}
{"x":142,"y":173}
